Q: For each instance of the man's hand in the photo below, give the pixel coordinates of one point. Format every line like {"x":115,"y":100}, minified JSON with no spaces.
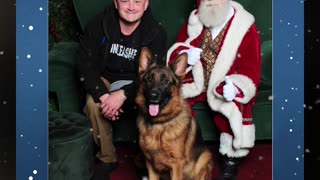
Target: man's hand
{"x":110,"y":106}
{"x":104,"y":97}
{"x":229,"y":89}
{"x":193,"y":55}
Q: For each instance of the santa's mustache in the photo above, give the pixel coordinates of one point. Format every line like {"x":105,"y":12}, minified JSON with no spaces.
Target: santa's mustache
{"x":213,"y":15}
{"x":209,"y":3}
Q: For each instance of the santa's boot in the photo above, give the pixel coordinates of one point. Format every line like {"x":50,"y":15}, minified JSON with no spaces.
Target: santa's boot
{"x":229,"y":168}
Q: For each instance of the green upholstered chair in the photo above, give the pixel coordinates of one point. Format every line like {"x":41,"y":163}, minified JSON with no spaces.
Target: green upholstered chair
{"x":70,"y":147}
{"x":62,"y":76}
{"x":172,"y":14}
{"x":262,"y":111}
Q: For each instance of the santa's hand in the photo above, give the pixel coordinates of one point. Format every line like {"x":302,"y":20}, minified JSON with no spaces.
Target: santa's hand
{"x":193,"y":55}
{"x":229,"y":89}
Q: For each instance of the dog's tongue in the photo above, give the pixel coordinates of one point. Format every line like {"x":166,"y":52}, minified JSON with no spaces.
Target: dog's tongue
{"x":153,"y":109}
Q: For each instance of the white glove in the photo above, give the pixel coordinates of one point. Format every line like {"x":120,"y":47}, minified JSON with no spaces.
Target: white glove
{"x":229,"y":90}
{"x":193,"y":55}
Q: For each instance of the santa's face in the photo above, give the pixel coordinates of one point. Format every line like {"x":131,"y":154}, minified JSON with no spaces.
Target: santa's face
{"x":213,"y":12}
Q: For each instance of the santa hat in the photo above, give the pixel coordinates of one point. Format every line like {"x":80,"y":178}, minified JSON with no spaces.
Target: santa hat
{"x":198,"y":3}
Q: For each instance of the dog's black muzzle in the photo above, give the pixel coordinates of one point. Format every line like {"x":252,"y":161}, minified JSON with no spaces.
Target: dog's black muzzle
{"x":155,"y":97}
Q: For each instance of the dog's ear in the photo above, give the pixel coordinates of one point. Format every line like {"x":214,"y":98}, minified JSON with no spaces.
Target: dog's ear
{"x":145,"y":60}
{"x":180,"y":65}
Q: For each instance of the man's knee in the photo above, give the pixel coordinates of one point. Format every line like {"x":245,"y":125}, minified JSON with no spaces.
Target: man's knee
{"x":91,"y":106}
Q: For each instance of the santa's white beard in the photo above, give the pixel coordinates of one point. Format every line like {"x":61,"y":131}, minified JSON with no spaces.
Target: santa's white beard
{"x":215,"y":15}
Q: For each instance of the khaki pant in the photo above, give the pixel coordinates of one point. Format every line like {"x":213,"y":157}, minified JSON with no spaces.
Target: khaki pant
{"x":102,"y":129}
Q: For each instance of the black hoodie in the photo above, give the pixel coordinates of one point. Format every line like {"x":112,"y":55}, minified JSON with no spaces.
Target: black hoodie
{"x":93,"y":53}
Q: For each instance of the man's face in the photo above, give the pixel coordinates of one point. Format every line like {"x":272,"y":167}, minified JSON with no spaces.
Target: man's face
{"x":213,"y":12}
{"x":131,"y":11}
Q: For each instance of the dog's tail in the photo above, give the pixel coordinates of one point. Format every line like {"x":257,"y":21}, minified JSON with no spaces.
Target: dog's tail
{"x":204,"y":166}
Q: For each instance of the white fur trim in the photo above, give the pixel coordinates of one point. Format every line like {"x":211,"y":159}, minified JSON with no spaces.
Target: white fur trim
{"x":194,"y":25}
{"x":194,"y":29}
{"x":240,"y":24}
{"x":195,"y":88}
{"x":226,"y":147}
{"x":231,"y":111}
{"x":248,"y":136}
{"x":174,"y":47}
{"x":244,"y":83}
{"x":242,"y":21}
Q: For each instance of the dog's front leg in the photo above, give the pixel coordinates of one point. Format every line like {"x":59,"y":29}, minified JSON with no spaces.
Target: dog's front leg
{"x":153,"y":175}
{"x":176,"y":172}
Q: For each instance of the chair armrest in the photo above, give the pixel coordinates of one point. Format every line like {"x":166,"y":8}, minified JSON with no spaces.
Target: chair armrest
{"x":266,"y":66}
{"x":62,"y":76}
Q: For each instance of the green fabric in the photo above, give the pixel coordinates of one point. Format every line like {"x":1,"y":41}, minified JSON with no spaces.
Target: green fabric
{"x":70,"y":147}
{"x":53,"y":102}
{"x":205,"y":120}
{"x":85,"y":9}
{"x":172,"y":14}
{"x":266,"y":66}
{"x":63,"y":79}
{"x":262,"y":115}
{"x":262,"y":11}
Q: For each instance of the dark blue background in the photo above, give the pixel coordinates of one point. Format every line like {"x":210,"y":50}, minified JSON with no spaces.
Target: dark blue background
{"x":32,"y":90}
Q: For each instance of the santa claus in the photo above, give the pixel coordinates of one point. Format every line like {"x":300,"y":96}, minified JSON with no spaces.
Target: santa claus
{"x":224,"y":58}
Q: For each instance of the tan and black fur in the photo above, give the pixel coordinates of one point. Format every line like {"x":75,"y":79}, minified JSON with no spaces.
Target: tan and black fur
{"x":168,"y":133}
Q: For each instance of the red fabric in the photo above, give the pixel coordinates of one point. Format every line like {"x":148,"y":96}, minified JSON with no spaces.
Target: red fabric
{"x":219,"y":90}
{"x":198,"y":3}
{"x":249,"y":51}
{"x":222,"y":124}
{"x":248,"y":62}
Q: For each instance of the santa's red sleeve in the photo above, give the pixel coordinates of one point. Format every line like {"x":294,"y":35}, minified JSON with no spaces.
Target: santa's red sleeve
{"x":246,"y":67}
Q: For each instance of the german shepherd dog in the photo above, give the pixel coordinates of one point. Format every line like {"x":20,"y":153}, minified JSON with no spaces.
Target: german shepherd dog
{"x":168,"y":133}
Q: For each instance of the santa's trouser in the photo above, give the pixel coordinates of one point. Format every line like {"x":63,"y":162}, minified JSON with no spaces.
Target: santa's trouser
{"x":226,"y":139}
{"x":226,"y":135}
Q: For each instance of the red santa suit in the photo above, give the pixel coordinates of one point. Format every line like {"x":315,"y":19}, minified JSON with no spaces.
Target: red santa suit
{"x":239,"y":57}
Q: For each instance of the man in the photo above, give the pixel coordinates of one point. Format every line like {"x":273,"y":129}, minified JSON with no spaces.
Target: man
{"x":223,"y":47}
{"x":107,"y":62}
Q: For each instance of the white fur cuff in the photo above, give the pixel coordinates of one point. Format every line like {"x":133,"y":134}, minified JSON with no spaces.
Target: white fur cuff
{"x":196,"y":87}
{"x":246,"y":85}
{"x":248,"y":136}
{"x":226,"y":147}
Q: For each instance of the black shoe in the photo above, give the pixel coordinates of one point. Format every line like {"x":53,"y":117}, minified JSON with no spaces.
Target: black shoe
{"x":102,"y":170}
{"x":229,"y":168}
